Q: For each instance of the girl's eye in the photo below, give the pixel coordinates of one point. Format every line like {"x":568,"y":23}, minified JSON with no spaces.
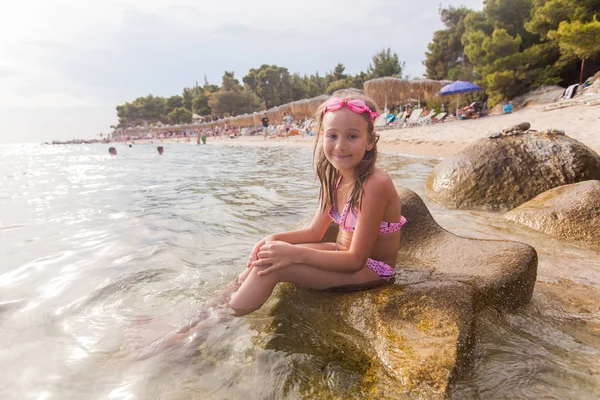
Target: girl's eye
{"x":331,"y":136}
{"x":353,"y":136}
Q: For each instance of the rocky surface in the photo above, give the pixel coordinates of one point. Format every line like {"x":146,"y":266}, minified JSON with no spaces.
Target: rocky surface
{"x":570,"y":212}
{"x":391,"y":343}
{"x":412,"y":338}
{"x":511,"y":167}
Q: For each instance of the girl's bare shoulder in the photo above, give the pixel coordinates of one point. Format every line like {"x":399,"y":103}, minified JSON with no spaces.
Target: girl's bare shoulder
{"x":380,"y":180}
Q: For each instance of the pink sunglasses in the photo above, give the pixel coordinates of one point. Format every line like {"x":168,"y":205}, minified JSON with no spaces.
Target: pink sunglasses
{"x":356,"y":105}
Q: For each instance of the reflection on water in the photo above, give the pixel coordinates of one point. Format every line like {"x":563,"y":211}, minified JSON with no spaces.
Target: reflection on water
{"x":104,"y":257}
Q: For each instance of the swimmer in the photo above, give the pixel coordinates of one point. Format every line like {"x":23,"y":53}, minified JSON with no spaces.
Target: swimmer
{"x":160,"y":150}
{"x":112,"y":151}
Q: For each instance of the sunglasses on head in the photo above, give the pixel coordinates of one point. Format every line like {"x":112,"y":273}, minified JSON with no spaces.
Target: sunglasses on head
{"x":355,"y":105}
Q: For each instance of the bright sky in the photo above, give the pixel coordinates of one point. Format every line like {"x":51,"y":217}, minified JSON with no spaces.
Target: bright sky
{"x":66,"y":64}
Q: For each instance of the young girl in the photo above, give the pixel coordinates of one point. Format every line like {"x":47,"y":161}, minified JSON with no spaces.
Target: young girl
{"x":355,"y":194}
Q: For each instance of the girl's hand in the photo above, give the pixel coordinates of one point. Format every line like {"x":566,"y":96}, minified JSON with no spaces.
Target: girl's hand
{"x":275,"y":255}
{"x":254,"y":253}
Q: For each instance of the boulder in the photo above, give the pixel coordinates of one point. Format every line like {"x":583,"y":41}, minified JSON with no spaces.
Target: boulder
{"x":570,"y":212}
{"x":501,"y":273}
{"x":395,"y":342}
{"x":410,"y":339}
{"x":509,"y":168}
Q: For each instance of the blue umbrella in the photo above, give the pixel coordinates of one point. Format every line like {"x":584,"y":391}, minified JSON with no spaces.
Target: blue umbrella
{"x":457,"y":88}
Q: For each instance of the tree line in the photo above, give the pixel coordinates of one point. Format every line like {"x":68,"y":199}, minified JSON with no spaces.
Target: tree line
{"x":509,"y":48}
{"x":261,"y":88}
{"x":513,"y":46}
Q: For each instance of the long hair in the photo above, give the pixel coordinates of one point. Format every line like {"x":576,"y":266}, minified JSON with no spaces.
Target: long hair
{"x":327,"y":174}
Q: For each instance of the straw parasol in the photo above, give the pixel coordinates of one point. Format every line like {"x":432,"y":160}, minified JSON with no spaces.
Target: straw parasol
{"x":285,"y":108}
{"x":300,"y":109}
{"x":256,"y":117}
{"x":273,"y":114}
{"x":389,"y":90}
{"x":315,"y":102}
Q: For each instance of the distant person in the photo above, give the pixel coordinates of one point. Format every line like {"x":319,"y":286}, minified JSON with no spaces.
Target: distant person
{"x":160,"y":150}
{"x":287,"y":120}
{"x":129,"y":144}
{"x":112,"y":151}
{"x":265,"y":124}
{"x":204,"y":138}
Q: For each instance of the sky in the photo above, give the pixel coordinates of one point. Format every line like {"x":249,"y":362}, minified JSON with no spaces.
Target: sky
{"x":66,"y":64}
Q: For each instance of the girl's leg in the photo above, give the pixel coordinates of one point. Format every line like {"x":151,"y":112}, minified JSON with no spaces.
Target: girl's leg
{"x":320,"y":246}
{"x":256,"y":289}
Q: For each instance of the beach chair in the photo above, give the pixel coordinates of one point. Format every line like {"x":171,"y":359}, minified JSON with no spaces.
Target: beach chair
{"x":426,"y":120}
{"x":439,"y":118}
{"x":399,"y":121}
{"x":380,"y":122}
{"x":414,"y":117}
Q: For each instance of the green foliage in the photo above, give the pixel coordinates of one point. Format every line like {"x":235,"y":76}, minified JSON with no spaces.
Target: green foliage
{"x":180,"y":116}
{"x":578,"y":39}
{"x":266,"y":86}
{"x":270,"y":83}
{"x":233,"y":102}
{"x":200,"y":105}
{"x":445,"y":54}
{"x":173,"y":102}
{"x":513,"y":46}
{"x":230,"y":83}
{"x":338,"y":72}
{"x":338,"y":85}
{"x":385,"y":63}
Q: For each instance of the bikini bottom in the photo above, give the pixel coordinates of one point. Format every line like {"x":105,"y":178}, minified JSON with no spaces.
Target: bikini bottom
{"x":380,"y":268}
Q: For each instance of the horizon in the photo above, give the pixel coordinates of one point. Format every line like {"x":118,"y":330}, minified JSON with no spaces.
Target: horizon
{"x":62,"y":76}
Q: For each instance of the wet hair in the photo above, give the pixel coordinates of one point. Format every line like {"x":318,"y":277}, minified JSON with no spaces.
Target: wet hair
{"x":327,"y":174}
{"x":112,"y":150}
{"x":160,"y":149}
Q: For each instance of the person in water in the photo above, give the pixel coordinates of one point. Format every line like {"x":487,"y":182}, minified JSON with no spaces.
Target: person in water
{"x":160,"y":150}
{"x":112,"y":151}
{"x":355,"y":194}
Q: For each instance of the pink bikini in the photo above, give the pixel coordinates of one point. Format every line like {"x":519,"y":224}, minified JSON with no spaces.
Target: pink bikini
{"x":347,"y":222}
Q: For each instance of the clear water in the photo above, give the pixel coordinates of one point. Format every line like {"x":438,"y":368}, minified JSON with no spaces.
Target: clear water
{"x":103,"y":257}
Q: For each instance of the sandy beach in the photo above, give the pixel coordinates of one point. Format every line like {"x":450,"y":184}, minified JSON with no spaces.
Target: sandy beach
{"x":443,"y":139}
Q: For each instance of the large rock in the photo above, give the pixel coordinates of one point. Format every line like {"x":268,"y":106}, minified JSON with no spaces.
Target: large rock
{"x":410,"y":339}
{"x":396,"y":342}
{"x":510,"y":168}
{"x":501,"y":273}
{"x":570,"y":212}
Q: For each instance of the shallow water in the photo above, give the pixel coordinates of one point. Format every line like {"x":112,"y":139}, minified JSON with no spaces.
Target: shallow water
{"x":102,"y":258}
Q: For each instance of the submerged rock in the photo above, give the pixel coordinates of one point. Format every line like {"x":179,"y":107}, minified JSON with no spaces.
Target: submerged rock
{"x":509,"y":168}
{"x":570,"y":212}
{"x":387,"y":343}
{"x":409,"y":339}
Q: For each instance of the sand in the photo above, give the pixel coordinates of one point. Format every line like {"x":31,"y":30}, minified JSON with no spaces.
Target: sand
{"x":440,"y":140}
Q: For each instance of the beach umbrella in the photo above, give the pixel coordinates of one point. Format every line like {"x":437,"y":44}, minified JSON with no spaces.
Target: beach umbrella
{"x":459,"y":87}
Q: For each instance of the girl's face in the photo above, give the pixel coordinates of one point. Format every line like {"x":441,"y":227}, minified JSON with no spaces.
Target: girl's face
{"x":345,"y":138}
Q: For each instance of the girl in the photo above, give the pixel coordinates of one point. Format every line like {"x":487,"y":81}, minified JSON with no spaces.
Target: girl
{"x":355,"y":194}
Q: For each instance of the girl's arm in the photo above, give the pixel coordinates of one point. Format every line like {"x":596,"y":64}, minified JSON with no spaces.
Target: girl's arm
{"x":375,"y":199}
{"x":311,"y":234}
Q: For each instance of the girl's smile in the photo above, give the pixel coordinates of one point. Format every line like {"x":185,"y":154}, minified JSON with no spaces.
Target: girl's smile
{"x":345,"y":139}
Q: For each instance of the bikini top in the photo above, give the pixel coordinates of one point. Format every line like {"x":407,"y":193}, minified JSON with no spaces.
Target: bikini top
{"x":348,"y":219}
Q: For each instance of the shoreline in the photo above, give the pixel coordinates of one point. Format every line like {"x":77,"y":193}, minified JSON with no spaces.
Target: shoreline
{"x":443,"y":139}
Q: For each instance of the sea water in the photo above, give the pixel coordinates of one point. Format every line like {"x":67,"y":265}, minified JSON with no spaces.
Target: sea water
{"x":103,"y":257}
